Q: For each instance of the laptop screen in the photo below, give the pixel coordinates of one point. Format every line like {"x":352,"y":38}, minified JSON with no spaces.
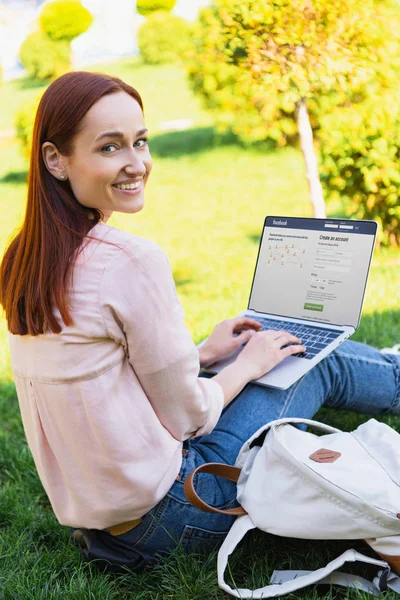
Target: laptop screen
{"x":313,"y":269}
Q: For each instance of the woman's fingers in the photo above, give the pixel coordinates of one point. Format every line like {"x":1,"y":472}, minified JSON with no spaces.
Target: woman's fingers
{"x":289,"y":344}
{"x":292,"y":349}
{"x":241,"y":323}
{"x":287,"y":341}
{"x":285,"y":336}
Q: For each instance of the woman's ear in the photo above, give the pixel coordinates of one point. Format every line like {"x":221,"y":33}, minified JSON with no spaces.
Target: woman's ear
{"x":54,"y":160}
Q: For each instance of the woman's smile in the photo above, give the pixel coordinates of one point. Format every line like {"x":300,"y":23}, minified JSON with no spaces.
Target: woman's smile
{"x":129,"y":188}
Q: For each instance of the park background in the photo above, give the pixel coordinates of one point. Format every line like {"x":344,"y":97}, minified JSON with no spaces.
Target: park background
{"x":224,"y":158}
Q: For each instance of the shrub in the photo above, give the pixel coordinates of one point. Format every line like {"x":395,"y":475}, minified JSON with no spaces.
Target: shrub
{"x":360,"y":162}
{"x":65,"y":19}
{"x":252,"y":61}
{"x":146,"y":7}
{"x":44,"y":58}
{"x":163,"y":38}
{"x":24,"y":122}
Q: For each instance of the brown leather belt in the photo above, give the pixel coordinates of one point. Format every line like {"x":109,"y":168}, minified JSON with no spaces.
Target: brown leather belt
{"x":123,"y":527}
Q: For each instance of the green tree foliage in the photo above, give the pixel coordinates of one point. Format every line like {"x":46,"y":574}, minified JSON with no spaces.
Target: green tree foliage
{"x":146,"y":7}
{"x":163,"y":38}
{"x":65,"y":19}
{"x":360,"y":162}
{"x":262,"y":64}
{"x":44,"y":58}
{"x":253,"y":60}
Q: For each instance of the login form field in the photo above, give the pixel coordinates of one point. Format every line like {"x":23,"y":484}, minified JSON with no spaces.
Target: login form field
{"x":313,"y":269}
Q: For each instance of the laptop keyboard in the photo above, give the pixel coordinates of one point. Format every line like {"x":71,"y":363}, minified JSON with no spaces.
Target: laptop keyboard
{"x":313,"y":338}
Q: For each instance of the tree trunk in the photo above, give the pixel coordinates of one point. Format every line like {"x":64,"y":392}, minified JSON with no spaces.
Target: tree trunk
{"x":310,"y":159}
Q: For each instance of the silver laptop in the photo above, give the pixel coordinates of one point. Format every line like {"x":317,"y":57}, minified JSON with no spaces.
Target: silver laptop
{"x":310,"y":280}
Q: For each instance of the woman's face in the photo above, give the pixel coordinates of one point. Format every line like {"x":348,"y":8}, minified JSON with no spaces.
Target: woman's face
{"x":110,"y":161}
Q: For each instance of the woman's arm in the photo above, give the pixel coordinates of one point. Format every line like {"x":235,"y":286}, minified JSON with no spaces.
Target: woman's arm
{"x":206,"y":357}
{"x":232,"y":379}
{"x":141,"y":311}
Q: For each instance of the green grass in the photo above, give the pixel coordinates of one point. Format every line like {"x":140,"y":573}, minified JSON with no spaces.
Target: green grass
{"x":205,"y":205}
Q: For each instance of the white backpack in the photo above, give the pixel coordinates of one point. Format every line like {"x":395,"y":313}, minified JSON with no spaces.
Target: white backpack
{"x":296,"y":484}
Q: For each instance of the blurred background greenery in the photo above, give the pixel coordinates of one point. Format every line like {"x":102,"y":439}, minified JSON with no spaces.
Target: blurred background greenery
{"x":221,"y":98}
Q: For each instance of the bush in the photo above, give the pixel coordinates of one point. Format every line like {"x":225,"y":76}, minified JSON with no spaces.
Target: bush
{"x":65,"y":19}
{"x":163,"y":38}
{"x":252,"y":61}
{"x":360,"y":162}
{"x":146,"y":7}
{"x":24,"y":122}
{"x":44,"y":58}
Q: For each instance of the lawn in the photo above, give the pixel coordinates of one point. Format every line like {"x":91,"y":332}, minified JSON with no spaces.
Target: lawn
{"x":205,"y":205}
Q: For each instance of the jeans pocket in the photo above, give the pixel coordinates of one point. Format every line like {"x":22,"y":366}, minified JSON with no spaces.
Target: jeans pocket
{"x":197,"y":539}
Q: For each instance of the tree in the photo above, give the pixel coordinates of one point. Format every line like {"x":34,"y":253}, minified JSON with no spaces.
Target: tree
{"x":359,"y":162}
{"x":271,"y":68}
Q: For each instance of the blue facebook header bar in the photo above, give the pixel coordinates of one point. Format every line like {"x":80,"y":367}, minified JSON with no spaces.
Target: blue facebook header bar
{"x":328,"y":225}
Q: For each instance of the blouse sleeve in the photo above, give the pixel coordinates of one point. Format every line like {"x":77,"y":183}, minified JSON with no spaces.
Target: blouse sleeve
{"x":141,"y":311}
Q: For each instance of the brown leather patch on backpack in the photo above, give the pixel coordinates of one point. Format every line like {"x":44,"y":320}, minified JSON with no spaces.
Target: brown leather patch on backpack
{"x":323,"y":455}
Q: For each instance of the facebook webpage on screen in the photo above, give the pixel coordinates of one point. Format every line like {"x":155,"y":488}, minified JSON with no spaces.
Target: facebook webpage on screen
{"x":313,"y":269}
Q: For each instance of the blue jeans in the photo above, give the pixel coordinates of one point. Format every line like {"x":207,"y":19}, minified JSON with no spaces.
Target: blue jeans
{"x":354,"y":377}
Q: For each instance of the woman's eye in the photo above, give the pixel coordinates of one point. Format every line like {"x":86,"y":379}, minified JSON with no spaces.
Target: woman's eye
{"x":106,"y":148}
{"x":142,"y":142}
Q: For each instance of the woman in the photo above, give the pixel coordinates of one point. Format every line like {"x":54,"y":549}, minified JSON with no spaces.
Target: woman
{"x":106,"y":373}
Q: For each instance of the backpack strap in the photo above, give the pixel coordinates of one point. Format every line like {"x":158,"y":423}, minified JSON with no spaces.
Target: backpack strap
{"x":285,"y":582}
{"x":220,"y":470}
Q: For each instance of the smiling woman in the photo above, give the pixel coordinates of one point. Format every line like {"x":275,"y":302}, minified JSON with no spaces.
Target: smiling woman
{"x":74,"y":183}
{"x":110,"y":160}
{"x":115,"y":411}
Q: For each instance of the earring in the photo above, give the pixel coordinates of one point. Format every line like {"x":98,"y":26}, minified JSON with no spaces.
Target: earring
{"x":62,"y":176}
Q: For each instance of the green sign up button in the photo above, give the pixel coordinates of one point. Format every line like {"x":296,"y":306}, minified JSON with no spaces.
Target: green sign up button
{"x":311,"y":306}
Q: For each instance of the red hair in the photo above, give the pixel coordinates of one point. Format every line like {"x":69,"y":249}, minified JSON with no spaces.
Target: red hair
{"x":39,"y":260}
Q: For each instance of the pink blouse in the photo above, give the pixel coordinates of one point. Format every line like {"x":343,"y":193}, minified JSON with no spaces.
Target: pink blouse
{"x":106,"y":403}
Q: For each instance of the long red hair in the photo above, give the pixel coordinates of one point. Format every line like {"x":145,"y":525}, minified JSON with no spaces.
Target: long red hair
{"x":38,"y":261}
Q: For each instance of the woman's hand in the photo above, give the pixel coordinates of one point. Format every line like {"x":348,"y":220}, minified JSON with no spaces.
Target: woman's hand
{"x":266,"y":350}
{"x":221,"y":343}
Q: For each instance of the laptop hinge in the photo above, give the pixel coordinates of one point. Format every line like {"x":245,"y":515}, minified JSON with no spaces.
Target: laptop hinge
{"x":302,"y":319}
